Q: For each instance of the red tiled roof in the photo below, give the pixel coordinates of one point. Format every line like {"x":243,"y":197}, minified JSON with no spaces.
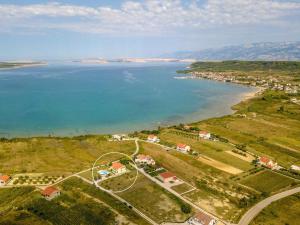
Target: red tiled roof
{"x":4,"y":178}
{"x":167,"y":174}
{"x":203,"y":218}
{"x":117,"y":165}
{"x":203,"y":132}
{"x":264,"y":159}
{"x":181,"y":145}
{"x":49,"y":191}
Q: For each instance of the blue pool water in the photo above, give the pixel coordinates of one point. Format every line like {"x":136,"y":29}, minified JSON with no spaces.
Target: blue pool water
{"x":78,"y":99}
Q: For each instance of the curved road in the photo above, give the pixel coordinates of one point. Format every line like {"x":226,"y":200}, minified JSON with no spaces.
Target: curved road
{"x":251,"y":213}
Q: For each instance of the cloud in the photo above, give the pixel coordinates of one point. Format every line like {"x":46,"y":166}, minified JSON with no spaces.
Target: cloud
{"x":147,"y":17}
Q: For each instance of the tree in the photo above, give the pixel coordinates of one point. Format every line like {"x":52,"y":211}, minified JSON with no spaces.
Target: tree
{"x":185,"y":208}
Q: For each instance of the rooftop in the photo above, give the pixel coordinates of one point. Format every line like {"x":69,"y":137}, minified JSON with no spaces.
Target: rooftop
{"x":49,"y":191}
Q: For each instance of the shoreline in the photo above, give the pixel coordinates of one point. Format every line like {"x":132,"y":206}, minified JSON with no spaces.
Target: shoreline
{"x":24,"y":66}
{"x":72,"y":133}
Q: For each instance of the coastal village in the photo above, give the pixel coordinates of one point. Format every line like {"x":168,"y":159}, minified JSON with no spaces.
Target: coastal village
{"x":270,"y":82}
{"x":205,"y":173}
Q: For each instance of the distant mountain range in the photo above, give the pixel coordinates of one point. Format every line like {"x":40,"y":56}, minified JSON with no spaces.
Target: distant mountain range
{"x":255,"y":51}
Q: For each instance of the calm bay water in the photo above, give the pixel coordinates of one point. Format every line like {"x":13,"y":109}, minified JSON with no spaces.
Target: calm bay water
{"x":80,"y":99}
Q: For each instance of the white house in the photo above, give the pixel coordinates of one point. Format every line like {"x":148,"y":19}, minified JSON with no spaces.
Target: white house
{"x":152,"y":138}
{"x":144,"y":159}
{"x":118,"y":167}
{"x":294,"y":167}
{"x":183,"y":148}
{"x":204,"y":134}
{"x":202,"y":219}
{"x":118,"y":137}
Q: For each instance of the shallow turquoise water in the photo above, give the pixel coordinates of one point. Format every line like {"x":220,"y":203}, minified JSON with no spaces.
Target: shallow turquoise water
{"x":79,"y":99}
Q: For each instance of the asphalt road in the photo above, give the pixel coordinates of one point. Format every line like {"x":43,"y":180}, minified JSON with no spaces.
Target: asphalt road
{"x":251,"y":213}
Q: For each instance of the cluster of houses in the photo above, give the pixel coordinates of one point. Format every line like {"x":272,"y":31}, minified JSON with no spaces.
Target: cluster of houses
{"x":265,"y":82}
{"x":4,"y":179}
{"x":166,"y":177}
{"x":202,"y":218}
{"x":266,"y":162}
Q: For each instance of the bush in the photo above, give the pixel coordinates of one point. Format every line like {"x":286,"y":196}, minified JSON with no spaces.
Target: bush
{"x":185,"y":208}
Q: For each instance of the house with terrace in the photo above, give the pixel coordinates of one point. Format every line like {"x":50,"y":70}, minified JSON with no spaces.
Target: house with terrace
{"x":183,"y":148}
{"x":204,"y":135}
{"x":144,"y":159}
{"x":118,"y":168}
{"x":153,"y":138}
{"x":167,"y":177}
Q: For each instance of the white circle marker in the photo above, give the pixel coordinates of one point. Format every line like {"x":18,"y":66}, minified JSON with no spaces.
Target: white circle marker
{"x":96,"y":181}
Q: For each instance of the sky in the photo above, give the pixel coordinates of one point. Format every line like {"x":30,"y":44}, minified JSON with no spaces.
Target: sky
{"x":32,"y":29}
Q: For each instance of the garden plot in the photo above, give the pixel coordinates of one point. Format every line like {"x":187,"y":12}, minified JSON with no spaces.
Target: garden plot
{"x":34,"y":179}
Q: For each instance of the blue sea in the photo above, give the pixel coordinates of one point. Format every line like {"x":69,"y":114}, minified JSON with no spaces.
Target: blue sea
{"x":74,"y":99}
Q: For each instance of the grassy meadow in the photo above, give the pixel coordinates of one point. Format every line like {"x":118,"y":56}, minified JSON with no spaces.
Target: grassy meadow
{"x":56,"y":155}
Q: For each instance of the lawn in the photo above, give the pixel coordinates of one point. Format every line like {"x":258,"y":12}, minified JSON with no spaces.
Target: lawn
{"x":155,"y":202}
{"x":267,"y":181}
{"x":284,"y":211}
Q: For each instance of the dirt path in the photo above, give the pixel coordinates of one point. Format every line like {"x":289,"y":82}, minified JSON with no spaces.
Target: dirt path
{"x":219,"y":165}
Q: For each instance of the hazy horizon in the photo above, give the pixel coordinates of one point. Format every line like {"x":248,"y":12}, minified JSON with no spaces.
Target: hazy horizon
{"x":48,"y":30}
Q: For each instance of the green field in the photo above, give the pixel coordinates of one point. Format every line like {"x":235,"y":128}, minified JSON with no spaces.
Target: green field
{"x":215,"y":150}
{"x":155,"y":202}
{"x":56,"y":155}
{"x":267,"y":181}
{"x":79,"y":203}
{"x":284,"y":211}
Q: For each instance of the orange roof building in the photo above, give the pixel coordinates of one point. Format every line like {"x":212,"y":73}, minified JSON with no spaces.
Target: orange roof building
{"x":118,"y":167}
{"x":167,"y":176}
{"x":202,"y":219}
{"x":50,"y":192}
{"x":4,"y":179}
